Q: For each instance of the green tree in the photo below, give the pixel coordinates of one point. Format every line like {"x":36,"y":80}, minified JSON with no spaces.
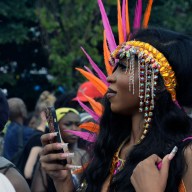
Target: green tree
{"x":68,"y":25}
{"x":20,"y":48}
{"x":175,"y":15}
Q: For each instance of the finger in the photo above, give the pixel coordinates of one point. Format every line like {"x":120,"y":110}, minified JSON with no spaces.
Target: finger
{"x":50,"y":158}
{"x":52,"y":167}
{"x":165,"y":166}
{"x":173,"y":153}
{"x":49,"y":148}
{"x":154,"y":158}
{"x":46,"y":138}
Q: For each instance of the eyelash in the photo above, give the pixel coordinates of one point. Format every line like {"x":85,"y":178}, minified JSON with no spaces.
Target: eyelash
{"x":121,"y":66}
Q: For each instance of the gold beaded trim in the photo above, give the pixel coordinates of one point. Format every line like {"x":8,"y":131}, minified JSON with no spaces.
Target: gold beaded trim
{"x":164,"y":67}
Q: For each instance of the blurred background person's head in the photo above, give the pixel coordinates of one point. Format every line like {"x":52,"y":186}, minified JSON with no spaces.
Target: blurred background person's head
{"x":68,"y":119}
{"x":17,"y":110}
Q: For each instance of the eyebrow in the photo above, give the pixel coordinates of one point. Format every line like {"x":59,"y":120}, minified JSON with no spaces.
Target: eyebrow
{"x":121,"y":63}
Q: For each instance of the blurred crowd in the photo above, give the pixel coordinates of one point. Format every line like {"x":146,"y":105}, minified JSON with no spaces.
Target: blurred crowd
{"x":20,"y":144}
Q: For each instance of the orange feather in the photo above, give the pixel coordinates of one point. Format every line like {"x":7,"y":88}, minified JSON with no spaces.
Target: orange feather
{"x":127,"y":18}
{"x":147,"y":14}
{"x":108,"y":67}
{"x":97,"y":107}
{"x":102,"y":88}
{"x":120,"y":27}
{"x":90,"y":126}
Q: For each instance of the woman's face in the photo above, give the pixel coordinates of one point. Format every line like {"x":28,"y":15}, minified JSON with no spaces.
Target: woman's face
{"x":122,"y":99}
{"x":70,"y":121}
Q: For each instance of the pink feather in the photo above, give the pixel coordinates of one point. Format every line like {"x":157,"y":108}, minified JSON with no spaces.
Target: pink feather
{"x":88,"y":110}
{"x":87,"y":69}
{"x":138,"y":14}
{"x":124,"y":20}
{"x":107,"y":27}
{"x":96,"y":68}
{"x":188,"y":138}
{"x":84,"y":135}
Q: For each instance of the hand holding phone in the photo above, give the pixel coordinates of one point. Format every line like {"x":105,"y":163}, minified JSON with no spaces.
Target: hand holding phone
{"x":51,"y":118}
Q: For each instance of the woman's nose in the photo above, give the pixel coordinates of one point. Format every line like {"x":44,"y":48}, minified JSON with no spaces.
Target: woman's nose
{"x":111,"y":78}
{"x":74,"y":127}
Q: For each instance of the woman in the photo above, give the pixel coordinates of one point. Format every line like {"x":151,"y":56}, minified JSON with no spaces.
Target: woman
{"x":68,"y":120}
{"x":143,"y":115}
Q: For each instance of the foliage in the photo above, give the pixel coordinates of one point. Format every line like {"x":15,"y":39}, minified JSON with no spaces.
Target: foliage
{"x":175,"y":15}
{"x":68,"y":25}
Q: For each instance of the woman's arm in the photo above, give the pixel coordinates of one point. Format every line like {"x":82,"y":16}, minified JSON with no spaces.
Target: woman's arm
{"x":187,"y":178}
{"x":32,"y":159}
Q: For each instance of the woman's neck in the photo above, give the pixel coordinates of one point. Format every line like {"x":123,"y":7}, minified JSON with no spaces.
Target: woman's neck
{"x":137,"y":128}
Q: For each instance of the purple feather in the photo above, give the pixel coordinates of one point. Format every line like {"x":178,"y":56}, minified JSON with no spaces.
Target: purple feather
{"x":88,"y":110}
{"x":87,"y":69}
{"x":84,"y":135}
{"x":124,"y":20}
{"x":107,"y":27}
{"x":96,"y":68}
{"x":138,"y":14}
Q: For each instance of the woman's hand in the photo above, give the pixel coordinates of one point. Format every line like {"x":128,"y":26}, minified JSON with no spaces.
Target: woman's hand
{"x":147,"y":177}
{"x":60,"y":174}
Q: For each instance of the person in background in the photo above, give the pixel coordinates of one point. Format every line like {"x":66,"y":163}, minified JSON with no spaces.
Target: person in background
{"x":17,"y":134}
{"x":65,"y":100}
{"x":33,"y":147}
{"x":10,"y":179}
{"x":68,"y":119}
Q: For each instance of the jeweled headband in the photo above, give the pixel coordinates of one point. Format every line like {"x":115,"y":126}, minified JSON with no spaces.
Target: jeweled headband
{"x":149,"y":55}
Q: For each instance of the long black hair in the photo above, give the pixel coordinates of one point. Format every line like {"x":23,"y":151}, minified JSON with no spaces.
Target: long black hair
{"x":169,"y":127}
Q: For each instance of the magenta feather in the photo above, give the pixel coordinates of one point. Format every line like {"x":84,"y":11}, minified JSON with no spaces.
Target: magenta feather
{"x":107,"y":27}
{"x":84,"y":135}
{"x":87,"y":69}
{"x":96,"y":68}
{"x":88,"y":110}
{"x":138,"y":14}
{"x":124,"y":20}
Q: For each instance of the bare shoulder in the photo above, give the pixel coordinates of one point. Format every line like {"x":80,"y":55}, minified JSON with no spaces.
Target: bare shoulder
{"x":17,"y":180}
{"x":187,"y":178}
{"x":188,"y":153}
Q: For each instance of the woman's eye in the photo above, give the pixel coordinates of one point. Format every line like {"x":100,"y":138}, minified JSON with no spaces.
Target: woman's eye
{"x":121,"y":66}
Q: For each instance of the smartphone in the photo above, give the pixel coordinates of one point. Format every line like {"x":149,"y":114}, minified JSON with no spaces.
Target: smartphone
{"x":51,"y":118}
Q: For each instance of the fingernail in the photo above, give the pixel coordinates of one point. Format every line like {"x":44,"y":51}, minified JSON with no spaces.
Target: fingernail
{"x":64,"y":155}
{"x":62,"y":145}
{"x":53,"y":134}
{"x":173,"y":152}
{"x":74,"y":166}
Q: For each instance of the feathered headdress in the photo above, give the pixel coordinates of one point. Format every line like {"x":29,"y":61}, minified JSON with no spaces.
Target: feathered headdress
{"x":109,"y":45}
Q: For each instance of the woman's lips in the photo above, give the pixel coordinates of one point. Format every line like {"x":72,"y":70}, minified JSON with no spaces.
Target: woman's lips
{"x":110,"y":93}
